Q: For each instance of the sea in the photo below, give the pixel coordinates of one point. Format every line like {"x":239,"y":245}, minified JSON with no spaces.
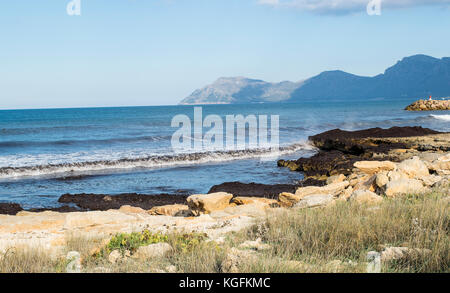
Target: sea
{"x":45,"y":153}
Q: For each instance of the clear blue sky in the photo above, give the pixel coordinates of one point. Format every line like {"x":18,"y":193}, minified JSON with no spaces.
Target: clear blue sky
{"x":156,"y":52}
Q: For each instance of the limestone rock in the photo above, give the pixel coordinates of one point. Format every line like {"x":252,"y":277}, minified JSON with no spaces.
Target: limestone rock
{"x":207,"y":203}
{"x":131,"y":210}
{"x":152,"y":251}
{"x":396,"y":253}
{"x":336,"y":179}
{"x":345,"y":195}
{"x":287,"y":199}
{"x":372,"y":167}
{"x":237,"y":257}
{"x":397,"y":175}
{"x":73,"y":259}
{"x":333,"y":189}
{"x":242,"y":200}
{"x":382,"y":179}
{"x":365,"y":196}
{"x":366,"y":183}
{"x":114,"y":256}
{"x":430,"y":180}
{"x":170,"y":210}
{"x":256,"y":209}
{"x":404,"y":186}
{"x":414,"y":168}
{"x":315,"y":200}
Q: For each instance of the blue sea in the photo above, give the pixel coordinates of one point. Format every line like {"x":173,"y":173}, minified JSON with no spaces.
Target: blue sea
{"x":45,"y":153}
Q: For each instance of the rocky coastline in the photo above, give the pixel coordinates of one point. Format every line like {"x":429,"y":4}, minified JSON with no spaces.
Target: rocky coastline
{"x":362,"y":167}
{"x":429,"y":105}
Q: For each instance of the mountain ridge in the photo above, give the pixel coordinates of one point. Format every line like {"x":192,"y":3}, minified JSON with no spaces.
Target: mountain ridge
{"x":411,"y":77}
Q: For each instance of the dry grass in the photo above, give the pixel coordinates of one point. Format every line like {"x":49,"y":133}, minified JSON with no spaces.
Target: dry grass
{"x":332,"y":239}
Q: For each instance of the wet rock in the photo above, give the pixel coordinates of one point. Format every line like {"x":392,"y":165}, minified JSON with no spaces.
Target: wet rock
{"x":253,"y":189}
{"x":10,"y":208}
{"x":207,"y":203}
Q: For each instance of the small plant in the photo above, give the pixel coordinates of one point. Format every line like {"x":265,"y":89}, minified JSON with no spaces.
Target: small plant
{"x":133,"y":241}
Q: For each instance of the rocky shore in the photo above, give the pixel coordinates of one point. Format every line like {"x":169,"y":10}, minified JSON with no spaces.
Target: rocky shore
{"x":362,"y":167}
{"x":429,"y":105}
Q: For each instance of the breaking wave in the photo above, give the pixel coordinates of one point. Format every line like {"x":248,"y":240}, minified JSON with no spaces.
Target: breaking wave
{"x":441,"y":117}
{"x":148,"y":162}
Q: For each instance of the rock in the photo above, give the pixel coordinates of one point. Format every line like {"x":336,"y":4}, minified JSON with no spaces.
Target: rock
{"x":114,"y":256}
{"x":374,"y":262}
{"x":443,"y":185}
{"x":152,"y":251}
{"x":414,"y":168}
{"x":336,"y":179}
{"x":372,"y":167}
{"x":235,"y":258}
{"x":242,"y":200}
{"x":345,"y":195}
{"x":171,"y":210}
{"x":333,"y":189}
{"x":255,"y":245}
{"x":429,"y":105}
{"x":396,"y":253}
{"x":365,"y":196}
{"x":207,"y":203}
{"x":397,"y":175}
{"x":287,"y":199}
{"x":382,"y":179}
{"x":441,"y":165}
{"x":131,"y":210}
{"x":430,"y":180}
{"x":404,"y":186}
{"x":256,"y":209}
{"x":74,"y":262}
{"x":87,"y":219}
{"x":315,"y":200}
{"x":366,"y":183}
{"x":171,"y":269}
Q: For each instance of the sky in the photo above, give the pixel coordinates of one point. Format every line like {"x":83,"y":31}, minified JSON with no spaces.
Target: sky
{"x":157,"y":52}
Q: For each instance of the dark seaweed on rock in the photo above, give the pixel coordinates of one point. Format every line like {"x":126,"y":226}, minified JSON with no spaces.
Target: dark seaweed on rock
{"x":253,"y":189}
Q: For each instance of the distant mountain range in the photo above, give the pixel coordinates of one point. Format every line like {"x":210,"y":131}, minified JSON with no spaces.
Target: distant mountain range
{"x":417,"y":76}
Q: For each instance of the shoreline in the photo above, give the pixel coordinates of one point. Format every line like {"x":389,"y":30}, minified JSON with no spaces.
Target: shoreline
{"x":337,"y":152}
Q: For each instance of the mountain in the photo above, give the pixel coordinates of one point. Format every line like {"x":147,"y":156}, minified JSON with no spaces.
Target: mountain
{"x":412,"y":77}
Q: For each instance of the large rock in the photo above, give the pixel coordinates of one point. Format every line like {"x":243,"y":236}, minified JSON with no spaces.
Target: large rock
{"x":366,"y":183}
{"x":333,"y":189}
{"x":315,"y":200}
{"x":256,"y":209}
{"x":382,"y":179}
{"x":242,"y":200}
{"x":441,"y":165}
{"x":396,"y":253}
{"x":170,"y":210}
{"x":430,"y":180}
{"x":336,"y":179}
{"x":404,"y":186}
{"x":372,"y":167}
{"x":287,"y":199}
{"x":152,"y":251}
{"x":414,"y":168}
{"x":365,"y":196}
{"x":207,"y":203}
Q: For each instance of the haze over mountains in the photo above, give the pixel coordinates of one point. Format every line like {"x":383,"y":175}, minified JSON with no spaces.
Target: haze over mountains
{"x":417,"y":76}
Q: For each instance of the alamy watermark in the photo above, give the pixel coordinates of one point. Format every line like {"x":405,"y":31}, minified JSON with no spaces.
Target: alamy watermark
{"x":237,"y":132}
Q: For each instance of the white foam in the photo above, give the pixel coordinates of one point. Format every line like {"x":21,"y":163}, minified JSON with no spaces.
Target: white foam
{"x":441,"y":117}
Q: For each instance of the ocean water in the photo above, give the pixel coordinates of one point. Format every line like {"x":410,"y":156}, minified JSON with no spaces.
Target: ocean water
{"x":50,"y":152}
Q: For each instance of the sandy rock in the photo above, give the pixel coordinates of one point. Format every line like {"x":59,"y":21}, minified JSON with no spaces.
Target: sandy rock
{"x":256,"y":209}
{"x":441,"y":165}
{"x":396,"y":253}
{"x":87,"y":219}
{"x":255,"y":245}
{"x":382,"y":179}
{"x":114,"y":256}
{"x":430,"y":180}
{"x":171,"y":210}
{"x":336,"y":179}
{"x":414,"y":168}
{"x":372,"y":167}
{"x":287,"y":199}
{"x":366,"y":183}
{"x":315,"y":200}
{"x":237,"y":257}
{"x":365,"y":196}
{"x":131,"y":210}
{"x":207,"y":203}
{"x":333,"y":189}
{"x":397,"y":175}
{"x":152,"y":251}
{"x":404,"y":186}
{"x":73,"y":260}
{"x":242,"y":200}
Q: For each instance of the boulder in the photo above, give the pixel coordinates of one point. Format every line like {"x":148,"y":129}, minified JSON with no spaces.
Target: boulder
{"x":156,"y":250}
{"x":404,"y":186}
{"x":333,"y":189}
{"x":430,"y":180}
{"x":315,"y":200}
{"x":336,"y":179}
{"x":365,"y":196}
{"x":287,"y":199}
{"x":397,"y":175}
{"x":396,"y":253}
{"x":366,"y":183}
{"x":207,"y":203}
{"x":441,"y":165}
{"x":414,"y":168}
{"x":242,"y":200}
{"x":382,"y":179}
{"x":345,"y":195}
{"x":170,"y":210}
{"x":372,"y":167}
